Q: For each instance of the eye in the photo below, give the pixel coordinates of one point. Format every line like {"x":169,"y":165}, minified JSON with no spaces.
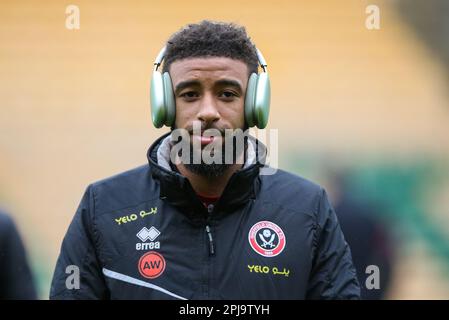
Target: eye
{"x":189,"y":95}
{"x":228,"y":95}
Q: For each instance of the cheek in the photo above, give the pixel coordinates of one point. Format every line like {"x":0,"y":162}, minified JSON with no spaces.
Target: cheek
{"x":236,"y":116}
{"x":184,"y":115}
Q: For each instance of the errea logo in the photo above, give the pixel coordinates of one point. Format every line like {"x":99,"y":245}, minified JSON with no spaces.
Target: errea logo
{"x":148,"y":234}
{"x":144,"y":234}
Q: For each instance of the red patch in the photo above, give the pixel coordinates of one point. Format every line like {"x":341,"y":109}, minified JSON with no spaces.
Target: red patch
{"x":266,"y":238}
{"x":151,"y":265}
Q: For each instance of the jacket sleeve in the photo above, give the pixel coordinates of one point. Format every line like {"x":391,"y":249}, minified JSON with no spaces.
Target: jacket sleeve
{"x":78,"y":253}
{"x":333,"y":275}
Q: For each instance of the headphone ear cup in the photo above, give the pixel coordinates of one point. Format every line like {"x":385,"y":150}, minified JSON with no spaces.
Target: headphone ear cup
{"x":250,"y":99}
{"x":157,"y":99}
{"x":169,"y":99}
{"x":262,"y":100}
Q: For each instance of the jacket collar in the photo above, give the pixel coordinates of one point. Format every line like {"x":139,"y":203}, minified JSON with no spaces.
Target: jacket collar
{"x":176,"y":189}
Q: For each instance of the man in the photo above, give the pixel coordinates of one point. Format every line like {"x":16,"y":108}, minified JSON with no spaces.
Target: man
{"x":16,"y":279}
{"x":366,"y":233}
{"x":180,"y":229}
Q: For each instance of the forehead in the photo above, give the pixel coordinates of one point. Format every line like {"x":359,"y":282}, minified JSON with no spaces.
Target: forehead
{"x":208,"y":69}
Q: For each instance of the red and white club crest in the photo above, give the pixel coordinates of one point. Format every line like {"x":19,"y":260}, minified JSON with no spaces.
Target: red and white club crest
{"x":266,"y":238}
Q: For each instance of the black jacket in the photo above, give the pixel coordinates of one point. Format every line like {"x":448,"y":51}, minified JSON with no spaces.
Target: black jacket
{"x":144,"y":234}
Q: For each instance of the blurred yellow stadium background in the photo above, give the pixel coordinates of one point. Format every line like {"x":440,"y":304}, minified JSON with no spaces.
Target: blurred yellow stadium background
{"x":74,"y":104}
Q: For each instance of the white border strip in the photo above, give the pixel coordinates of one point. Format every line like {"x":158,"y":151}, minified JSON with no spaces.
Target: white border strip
{"x":125,"y":278}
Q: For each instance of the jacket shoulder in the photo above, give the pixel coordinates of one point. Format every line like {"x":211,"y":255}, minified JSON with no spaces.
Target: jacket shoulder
{"x":292,"y":191}
{"x":122,"y":177}
{"x":123,"y":190}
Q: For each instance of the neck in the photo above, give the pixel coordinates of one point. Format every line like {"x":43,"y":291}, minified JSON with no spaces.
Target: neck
{"x":209,"y":186}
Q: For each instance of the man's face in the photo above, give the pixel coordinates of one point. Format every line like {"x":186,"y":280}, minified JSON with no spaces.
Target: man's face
{"x":209,"y":94}
{"x":209,"y":90}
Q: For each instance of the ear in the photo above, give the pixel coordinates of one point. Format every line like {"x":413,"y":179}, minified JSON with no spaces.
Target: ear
{"x":250,"y":99}
{"x":157,"y":98}
{"x":169,"y":99}
{"x":262,"y":101}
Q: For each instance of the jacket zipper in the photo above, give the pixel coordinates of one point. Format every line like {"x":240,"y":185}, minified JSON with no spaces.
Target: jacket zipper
{"x":210,"y":239}
{"x":210,"y":208}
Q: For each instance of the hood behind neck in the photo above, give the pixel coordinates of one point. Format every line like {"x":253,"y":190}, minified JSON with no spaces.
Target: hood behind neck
{"x":164,"y":149}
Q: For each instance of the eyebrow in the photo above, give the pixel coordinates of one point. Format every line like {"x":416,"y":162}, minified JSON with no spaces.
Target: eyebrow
{"x":195,"y":83}
{"x":185,"y":84}
{"x":229,"y":83}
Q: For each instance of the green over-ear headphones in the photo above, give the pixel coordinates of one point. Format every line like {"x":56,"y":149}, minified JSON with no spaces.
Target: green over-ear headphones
{"x":257,"y":99}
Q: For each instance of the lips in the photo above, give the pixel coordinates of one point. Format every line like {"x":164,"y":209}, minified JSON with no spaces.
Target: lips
{"x":206,"y":140}
{"x":212,"y":135}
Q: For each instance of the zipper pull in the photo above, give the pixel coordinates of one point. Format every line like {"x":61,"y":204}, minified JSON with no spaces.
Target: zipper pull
{"x":210,"y":208}
{"x":211,"y":241}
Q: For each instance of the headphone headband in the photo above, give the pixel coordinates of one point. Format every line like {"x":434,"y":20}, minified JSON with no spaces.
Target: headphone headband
{"x":160,"y":57}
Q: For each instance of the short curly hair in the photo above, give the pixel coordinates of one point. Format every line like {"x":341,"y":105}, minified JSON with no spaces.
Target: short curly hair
{"x":211,"y":39}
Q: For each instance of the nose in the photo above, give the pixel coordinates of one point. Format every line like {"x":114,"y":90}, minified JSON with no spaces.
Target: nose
{"x":208,"y":112}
